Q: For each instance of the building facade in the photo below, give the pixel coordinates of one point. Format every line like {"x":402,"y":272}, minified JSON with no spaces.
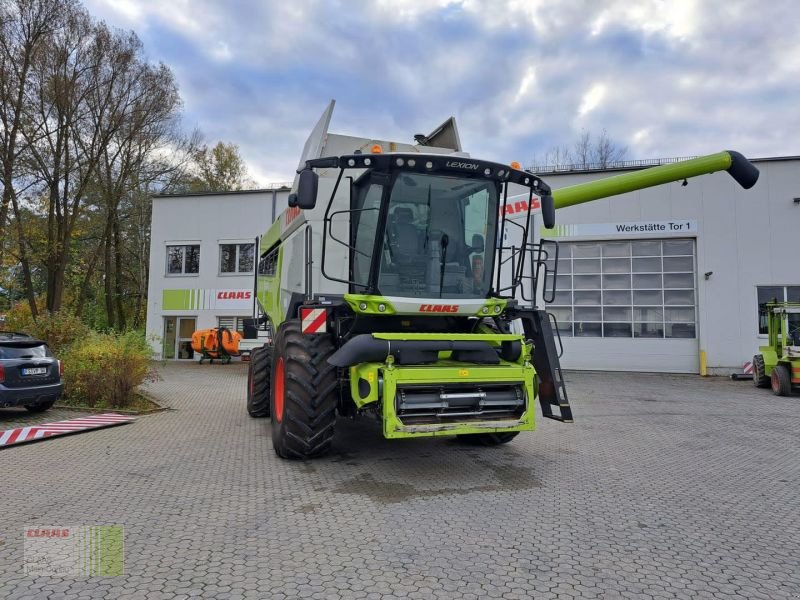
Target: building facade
{"x":674,"y":278}
{"x":668,"y":279}
{"x":202,"y":261}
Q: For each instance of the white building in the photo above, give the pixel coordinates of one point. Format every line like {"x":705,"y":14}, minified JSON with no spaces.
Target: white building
{"x":671,"y":278}
{"x":202,"y":257}
{"x":656,"y":280}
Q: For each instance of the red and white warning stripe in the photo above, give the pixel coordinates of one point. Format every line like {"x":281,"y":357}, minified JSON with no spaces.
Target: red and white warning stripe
{"x":748,"y":368}
{"x":313,"y":320}
{"x":11,"y":437}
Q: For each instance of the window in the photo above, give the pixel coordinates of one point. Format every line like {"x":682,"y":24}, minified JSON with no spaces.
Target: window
{"x":365,"y":226}
{"x":268,"y":264}
{"x":183,"y":260}
{"x":436,"y":235}
{"x":231,"y":323}
{"x":772,"y":293}
{"x":236,"y":258}
{"x":630,"y":289}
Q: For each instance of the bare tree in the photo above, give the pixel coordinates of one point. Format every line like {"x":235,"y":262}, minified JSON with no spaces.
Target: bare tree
{"x":88,"y":131}
{"x":605,"y":151}
{"x":64,"y":146}
{"x":585,"y":152}
{"x":25,"y":27}
{"x":148,"y":106}
{"x":582,"y":150}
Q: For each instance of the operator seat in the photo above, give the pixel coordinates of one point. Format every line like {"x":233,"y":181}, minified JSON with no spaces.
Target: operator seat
{"x":445,"y":218}
{"x":404,"y":238}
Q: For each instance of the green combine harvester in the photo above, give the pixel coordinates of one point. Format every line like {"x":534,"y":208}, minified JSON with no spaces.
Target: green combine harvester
{"x":385,"y":290}
{"x":777,"y":365}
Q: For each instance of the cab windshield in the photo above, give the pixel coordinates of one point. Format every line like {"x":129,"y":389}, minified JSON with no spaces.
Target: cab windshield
{"x":435,"y":241}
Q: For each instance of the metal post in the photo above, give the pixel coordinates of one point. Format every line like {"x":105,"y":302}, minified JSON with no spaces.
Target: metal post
{"x":309,"y":264}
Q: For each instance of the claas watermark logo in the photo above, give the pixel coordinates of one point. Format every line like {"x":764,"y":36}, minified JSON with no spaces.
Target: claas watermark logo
{"x":74,"y":551}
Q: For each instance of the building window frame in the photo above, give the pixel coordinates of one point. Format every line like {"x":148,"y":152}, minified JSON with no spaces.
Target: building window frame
{"x":238,"y":322}
{"x":237,"y":259}
{"x":184,"y":255}
{"x":627,"y":288}
{"x":791,"y":293}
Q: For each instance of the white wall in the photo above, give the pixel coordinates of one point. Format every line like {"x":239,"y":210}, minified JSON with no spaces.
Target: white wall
{"x":745,"y":238}
{"x":207,"y":219}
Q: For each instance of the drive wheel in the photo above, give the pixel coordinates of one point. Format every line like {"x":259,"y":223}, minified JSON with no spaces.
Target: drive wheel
{"x":304,"y":393}
{"x":41,"y":407}
{"x":258,"y":375}
{"x":781,"y":381}
{"x":487,"y":439}
{"x":760,"y":379}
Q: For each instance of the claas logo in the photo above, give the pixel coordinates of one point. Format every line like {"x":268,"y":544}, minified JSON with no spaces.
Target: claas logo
{"x":515,"y":208}
{"x":234,"y":295}
{"x":439,"y":308}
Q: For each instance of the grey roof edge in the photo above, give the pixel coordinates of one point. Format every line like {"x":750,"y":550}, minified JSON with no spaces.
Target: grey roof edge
{"x":281,"y":188}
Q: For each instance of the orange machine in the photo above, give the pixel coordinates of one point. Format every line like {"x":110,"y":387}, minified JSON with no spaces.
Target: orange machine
{"x":219,"y":342}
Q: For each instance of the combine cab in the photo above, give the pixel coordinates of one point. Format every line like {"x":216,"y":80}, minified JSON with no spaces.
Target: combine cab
{"x":385,"y":290}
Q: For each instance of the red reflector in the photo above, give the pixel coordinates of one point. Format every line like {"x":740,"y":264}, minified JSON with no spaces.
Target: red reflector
{"x":2,"y":373}
{"x":60,"y":369}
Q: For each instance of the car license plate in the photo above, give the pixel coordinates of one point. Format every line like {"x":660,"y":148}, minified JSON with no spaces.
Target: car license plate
{"x":35,"y":371}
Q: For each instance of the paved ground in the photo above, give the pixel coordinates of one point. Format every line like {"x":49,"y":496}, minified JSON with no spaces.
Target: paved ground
{"x":11,"y":418}
{"x":666,"y":487}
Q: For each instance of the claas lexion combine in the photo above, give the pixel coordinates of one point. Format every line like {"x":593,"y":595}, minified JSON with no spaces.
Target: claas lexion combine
{"x":386,"y":289}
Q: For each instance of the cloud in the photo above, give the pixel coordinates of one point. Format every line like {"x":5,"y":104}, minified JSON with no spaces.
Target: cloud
{"x":592,"y":99}
{"x":663,"y":78}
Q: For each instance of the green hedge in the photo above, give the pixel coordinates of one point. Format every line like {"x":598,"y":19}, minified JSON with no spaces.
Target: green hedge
{"x":100,"y":369}
{"x":59,"y":329}
{"x":103,"y":369}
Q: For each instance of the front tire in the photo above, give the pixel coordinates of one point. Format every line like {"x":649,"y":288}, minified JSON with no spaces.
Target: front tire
{"x":304,"y":393}
{"x":258,"y":382}
{"x":487,"y":439}
{"x":760,"y":379}
{"x":781,"y":381}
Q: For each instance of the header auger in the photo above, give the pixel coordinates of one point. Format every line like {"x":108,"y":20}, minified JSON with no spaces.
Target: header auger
{"x":384,"y":290}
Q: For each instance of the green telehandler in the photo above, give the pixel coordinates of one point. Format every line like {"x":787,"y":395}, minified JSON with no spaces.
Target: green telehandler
{"x":386,"y":290}
{"x":777,"y":365}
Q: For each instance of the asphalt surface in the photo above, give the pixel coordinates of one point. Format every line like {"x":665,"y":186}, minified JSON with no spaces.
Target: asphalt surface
{"x":665,"y":487}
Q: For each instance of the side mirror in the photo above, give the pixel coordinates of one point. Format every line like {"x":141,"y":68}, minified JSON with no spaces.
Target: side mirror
{"x":548,"y":211}
{"x":307,"y":185}
{"x":292,"y":200}
{"x":478,"y":245}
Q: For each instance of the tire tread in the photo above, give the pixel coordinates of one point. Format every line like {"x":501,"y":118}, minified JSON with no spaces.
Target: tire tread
{"x":310,"y":394}
{"x":783,"y":376}
{"x":760,"y":379}
{"x":261,"y":370}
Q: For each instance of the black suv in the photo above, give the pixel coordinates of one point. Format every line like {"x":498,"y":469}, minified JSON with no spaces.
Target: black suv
{"x":30,"y":375}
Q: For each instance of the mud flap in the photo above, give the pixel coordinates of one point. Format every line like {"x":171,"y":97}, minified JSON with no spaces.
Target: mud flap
{"x":552,"y":391}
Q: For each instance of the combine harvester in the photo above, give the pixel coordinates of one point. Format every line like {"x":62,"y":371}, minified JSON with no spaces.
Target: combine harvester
{"x":383,"y":290}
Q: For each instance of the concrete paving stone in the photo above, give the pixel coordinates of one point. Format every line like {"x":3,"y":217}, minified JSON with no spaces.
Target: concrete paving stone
{"x":665,"y":487}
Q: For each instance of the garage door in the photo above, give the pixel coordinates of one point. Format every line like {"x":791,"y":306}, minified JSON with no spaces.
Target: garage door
{"x":628,"y":305}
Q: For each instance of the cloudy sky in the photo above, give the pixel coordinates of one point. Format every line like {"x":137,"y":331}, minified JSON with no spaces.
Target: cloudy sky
{"x":664,"y":78}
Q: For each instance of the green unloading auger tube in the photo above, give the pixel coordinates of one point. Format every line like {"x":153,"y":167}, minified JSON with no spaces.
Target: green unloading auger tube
{"x":741,"y":169}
